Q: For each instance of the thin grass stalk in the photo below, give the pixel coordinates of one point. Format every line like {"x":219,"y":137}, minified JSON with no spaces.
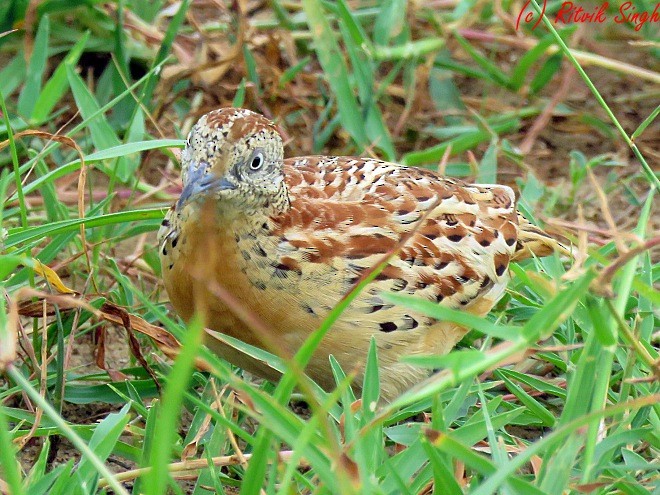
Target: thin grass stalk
{"x":567,"y":52}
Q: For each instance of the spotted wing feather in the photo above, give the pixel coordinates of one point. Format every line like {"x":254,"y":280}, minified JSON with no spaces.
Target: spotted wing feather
{"x":347,"y":213}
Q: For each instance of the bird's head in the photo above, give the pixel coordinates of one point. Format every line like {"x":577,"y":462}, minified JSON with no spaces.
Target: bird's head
{"x":235,"y":157}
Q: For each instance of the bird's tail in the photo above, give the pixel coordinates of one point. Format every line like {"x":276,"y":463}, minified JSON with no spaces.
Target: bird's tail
{"x":533,"y":240}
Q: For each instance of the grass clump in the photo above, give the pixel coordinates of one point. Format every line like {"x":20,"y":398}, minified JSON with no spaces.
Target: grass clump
{"x":555,"y":392}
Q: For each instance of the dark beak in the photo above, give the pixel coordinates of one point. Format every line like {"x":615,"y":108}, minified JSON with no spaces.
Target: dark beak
{"x":200,"y":180}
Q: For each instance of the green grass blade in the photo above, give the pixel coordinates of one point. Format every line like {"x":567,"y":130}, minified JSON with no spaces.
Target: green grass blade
{"x":8,"y":460}
{"x":155,"y":480}
{"x":390,"y":21}
{"x":535,"y":383}
{"x":47,"y":485}
{"x":57,"y":85}
{"x":35,"y":71}
{"x":528,"y":59}
{"x":103,"y":136}
{"x":495,"y":74}
{"x":647,"y":121}
{"x":334,"y":67}
{"x":458,"y":144}
{"x":164,"y":51}
{"x":363,"y":69}
{"x":546,"y":417}
{"x":445,"y":94}
{"x":546,"y":73}
{"x":488,"y":165}
{"x":443,"y":476}
{"x":105,"y":436}
{"x":20,"y":235}
{"x":20,"y":194}
{"x":98,"y":156}
{"x":62,"y":482}
{"x":443,"y":313}
{"x":370,"y":386}
{"x":12,"y":74}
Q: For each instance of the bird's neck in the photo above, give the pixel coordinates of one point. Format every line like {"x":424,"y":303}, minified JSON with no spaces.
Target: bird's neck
{"x":243,"y":219}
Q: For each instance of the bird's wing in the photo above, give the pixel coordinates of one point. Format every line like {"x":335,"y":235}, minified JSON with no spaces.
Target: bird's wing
{"x":346,"y":213}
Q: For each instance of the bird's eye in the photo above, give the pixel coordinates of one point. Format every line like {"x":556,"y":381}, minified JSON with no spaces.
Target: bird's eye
{"x":257,"y":162}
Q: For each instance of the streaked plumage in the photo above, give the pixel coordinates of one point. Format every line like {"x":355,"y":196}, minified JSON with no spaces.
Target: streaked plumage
{"x":291,"y":238}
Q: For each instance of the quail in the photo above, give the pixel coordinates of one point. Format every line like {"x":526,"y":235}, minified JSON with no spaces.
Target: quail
{"x":288,"y":238}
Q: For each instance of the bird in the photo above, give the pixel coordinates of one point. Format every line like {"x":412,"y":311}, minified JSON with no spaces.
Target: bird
{"x":287,"y":239}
